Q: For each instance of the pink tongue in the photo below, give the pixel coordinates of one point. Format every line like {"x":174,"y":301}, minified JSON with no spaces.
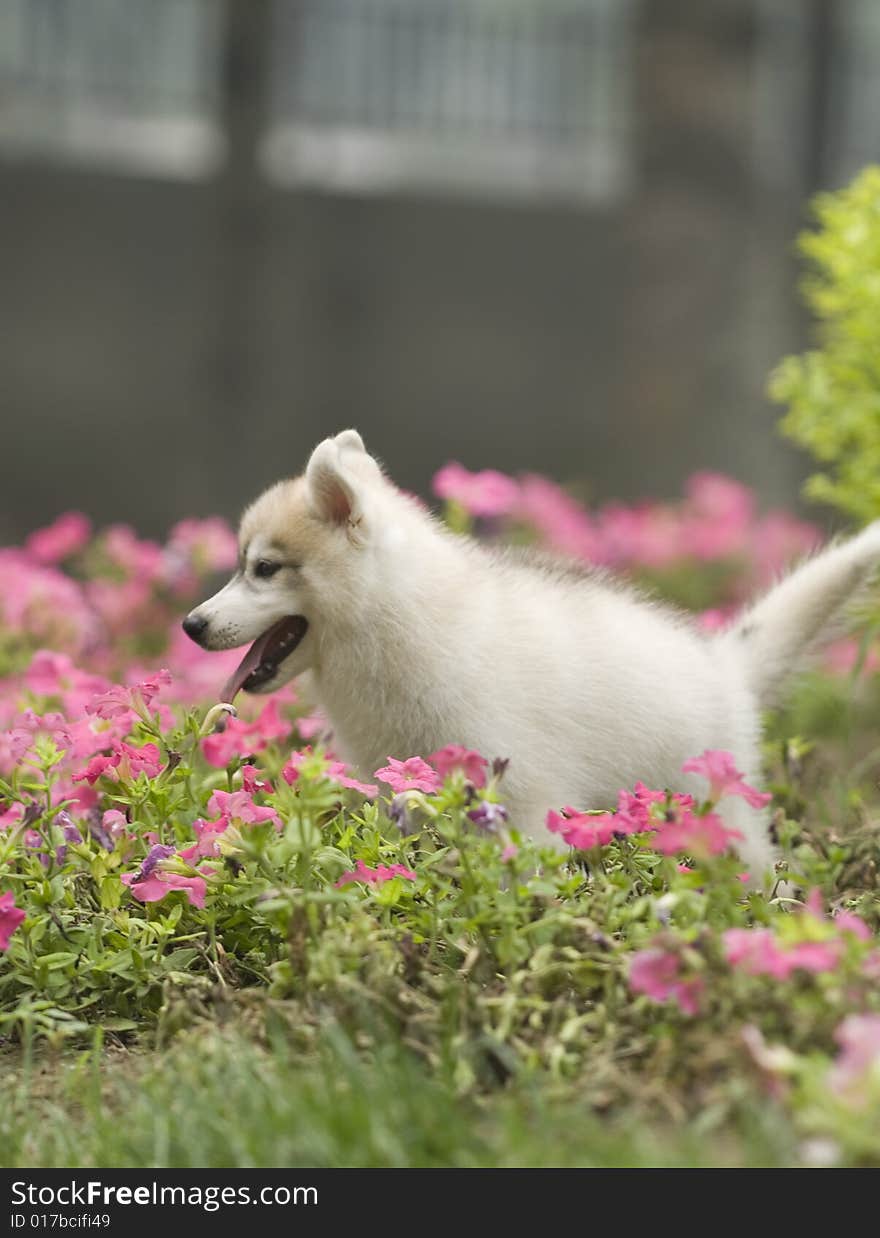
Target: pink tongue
{"x":249,"y":662}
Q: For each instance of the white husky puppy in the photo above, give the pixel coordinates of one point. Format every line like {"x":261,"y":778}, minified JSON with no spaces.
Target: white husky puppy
{"x":416,"y":638}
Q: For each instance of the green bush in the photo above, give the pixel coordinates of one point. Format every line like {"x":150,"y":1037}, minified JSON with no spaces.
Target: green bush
{"x":833,"y":392}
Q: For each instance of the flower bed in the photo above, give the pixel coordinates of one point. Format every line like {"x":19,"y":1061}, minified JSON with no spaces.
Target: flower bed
{"x":161,"y":862}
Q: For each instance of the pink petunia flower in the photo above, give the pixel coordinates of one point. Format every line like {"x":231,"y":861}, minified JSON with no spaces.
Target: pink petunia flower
{"x":413,"y":774}
{"x":311,"y":726}
{"x":656,"y":972}
{"x":46,"y":604}
{"x":207,"y":545}
{"x":124,"y":761}
{"x":487,"y":493}
{"x":454,"y":756}
{"x":207,"y":839}
{"x":114,"y":823}
{"x":758,"y":953}
{"x":140,"y":559}
{"x":842,"y":656}
{"x":633,"y":814}
{"x":10,"y":918}
{"x":61,"y":539}
{"x":375,"y":876}
{"x":582,"y":830}
{"x":242,"y":738}
{"x":560,"y":519}
{"x":338,"y":772}
{"x":11,"y":816}
{"x":859,"y":1039}
{"x":121,"y":700}
{"x":849,"y":922}
{"x":239,"y":806}
{"x":778,"y":539}
{"x":251,"y":782}
{"x":699,"y":836}
{"x":155,"y":887}
{"x":719,"y":768}
{"x":713,"y":619}
{"x":718,"y":517}
{"x":649,"y":535}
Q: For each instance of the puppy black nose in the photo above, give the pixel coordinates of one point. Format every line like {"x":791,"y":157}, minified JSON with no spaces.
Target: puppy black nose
{"x":194,"y":626}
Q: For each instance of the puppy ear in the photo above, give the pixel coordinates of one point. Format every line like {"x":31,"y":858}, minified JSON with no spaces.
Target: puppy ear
{"x":333,"y":490}
{"x":350,"y":438}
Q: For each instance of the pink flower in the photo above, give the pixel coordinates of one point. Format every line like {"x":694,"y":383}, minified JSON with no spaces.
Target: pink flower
{"x":239,"y":806}
{"x":713,"y":620}
{"x":312,"y":725}
{"x":375,"y":876}
{"x":124,"y":761}
{"x":242,"y":738}
{"x":694,"y":835}
{"x":859,"y":1039}
{"x":133,"y":761}
{"x":16,"y":743}
{"x":153,"y":888}
{"x":13,"y":745}
{"x":582,"y":830}
{"x":560,"y":519}
{"x":119,"y":700}
{"x":719,"y":768}
{"x":54,"y":674}
{"x":842,"y":657}
{"x":207,"y":834}
{"x":114,"y":823}
{"x":718,"y":522}
{"x":487,"y":493}
{"x":293,"y":766}
{"x":140,"y":560}
{"x":846,"y":921}
{"x":778,"y":539}
{"x":454,"y":756}
{"x":209,"y":545}
{"x":61,"y":539}
{"x":849,"y":922}
{"x":44,"y":604}
{"x":510,"y":852}
{"x":11,"y":816}
{"x":656,"y":972}
{"x":753,"y":951}
{"x":634,"y":808}
{"x":337,"y":771}
{"x":649,"y":535}
{"x":251,"y":783}
{"x":758,"y":953}
{"x":10,"y":918}
{"x":411,"y":775}
{"x":94,"y":770}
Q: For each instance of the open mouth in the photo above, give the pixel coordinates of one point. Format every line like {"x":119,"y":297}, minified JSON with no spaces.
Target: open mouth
{"x":260,"y":664}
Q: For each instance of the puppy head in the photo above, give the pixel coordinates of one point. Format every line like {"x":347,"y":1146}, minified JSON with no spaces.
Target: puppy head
{"x":304,"y":556}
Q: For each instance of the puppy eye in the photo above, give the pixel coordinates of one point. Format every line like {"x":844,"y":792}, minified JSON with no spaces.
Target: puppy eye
{"x":264,"y":569}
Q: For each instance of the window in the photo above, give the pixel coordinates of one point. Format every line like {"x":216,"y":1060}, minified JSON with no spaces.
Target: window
{"x":527,"y":97}
{"x":130,"y":84}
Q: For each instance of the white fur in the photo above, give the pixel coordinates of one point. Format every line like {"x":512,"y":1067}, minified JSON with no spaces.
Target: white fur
{"x":419,"y":638}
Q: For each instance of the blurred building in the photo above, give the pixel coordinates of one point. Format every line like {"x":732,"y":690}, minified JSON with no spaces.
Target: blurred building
{"x":551,"y":235}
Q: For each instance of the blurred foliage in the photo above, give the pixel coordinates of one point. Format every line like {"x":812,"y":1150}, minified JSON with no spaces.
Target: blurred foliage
{"x":833,"y":392}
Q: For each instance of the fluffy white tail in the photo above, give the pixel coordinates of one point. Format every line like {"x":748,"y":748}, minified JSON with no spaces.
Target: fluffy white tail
{"x":776,"y":634}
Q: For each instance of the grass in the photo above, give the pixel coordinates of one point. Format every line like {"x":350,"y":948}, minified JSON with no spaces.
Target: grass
{"x":216,"y":1098}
